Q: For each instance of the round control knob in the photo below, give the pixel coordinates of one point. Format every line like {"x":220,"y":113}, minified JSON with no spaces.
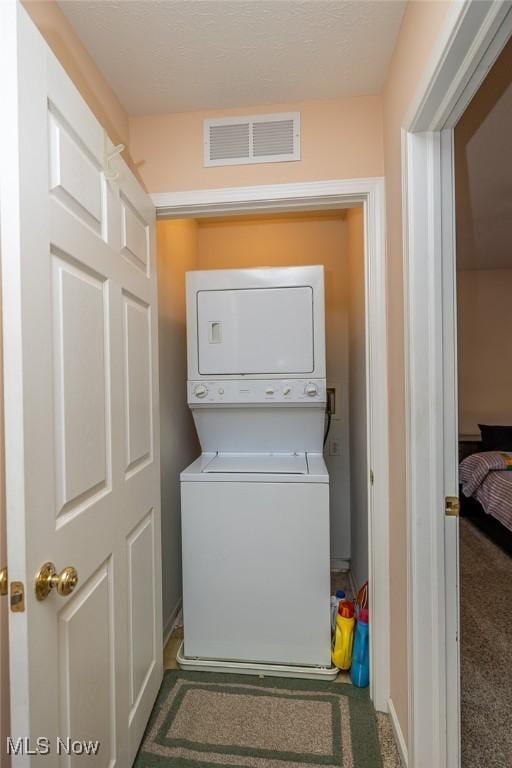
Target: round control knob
{"x":311,"y":389}
{"x":200,"y":390}
{"x":269,"y":391}
{"x":220,"y":391}
{"x":287,"y":390}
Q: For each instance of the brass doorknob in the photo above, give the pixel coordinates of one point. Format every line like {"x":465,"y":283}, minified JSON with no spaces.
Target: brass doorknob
{"x":48,"y":579}
{"x":4,"y":581}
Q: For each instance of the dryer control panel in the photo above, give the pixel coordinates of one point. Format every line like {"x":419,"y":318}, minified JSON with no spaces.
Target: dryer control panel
{"x":257,"y":391}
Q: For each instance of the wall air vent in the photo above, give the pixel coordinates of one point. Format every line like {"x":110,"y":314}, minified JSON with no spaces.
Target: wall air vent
{"x":256,"y":139}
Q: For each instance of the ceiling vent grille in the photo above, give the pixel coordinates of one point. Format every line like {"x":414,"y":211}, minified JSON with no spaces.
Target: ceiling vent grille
{"x":256,"y":139}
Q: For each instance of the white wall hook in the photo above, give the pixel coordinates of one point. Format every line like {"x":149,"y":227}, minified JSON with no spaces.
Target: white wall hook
{"x":109,"y":155}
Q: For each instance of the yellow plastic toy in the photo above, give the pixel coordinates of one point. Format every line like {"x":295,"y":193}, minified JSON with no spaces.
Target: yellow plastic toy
{"x":343,"y":636}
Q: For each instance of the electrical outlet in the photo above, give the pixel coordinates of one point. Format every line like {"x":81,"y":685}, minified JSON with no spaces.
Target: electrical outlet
{"x":333,"y":401}
{"x":334,"y":446}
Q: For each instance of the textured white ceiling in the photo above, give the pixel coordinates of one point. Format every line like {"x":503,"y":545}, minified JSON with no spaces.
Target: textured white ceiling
{"x":179,"y":55}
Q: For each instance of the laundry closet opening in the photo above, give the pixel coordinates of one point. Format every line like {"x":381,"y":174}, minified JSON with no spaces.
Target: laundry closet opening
{"x":335,"y":240}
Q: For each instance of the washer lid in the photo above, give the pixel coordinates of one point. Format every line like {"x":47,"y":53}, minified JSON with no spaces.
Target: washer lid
{"x":259,"y":463}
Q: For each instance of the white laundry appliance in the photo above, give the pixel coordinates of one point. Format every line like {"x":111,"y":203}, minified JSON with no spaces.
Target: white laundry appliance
{"x":255,"y":504}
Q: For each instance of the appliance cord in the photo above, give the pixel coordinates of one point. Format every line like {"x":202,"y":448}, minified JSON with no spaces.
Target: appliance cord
{"x":328,"y":426}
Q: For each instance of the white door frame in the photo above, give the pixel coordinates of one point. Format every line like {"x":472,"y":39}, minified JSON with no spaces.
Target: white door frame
{"x":369,"y":193}
{"x":473,"y":37}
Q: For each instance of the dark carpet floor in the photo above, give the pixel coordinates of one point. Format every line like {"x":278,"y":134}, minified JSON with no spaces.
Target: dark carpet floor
{"x":486,"y":651}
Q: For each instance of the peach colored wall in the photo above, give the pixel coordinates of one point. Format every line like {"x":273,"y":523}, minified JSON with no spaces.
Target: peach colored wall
{"x":420,"y":27}
{"x":484,"y":260}
{"x":176,"y":254}
{"x":64,"y":42}
{"x":484,"y":348}
{"x":294,"y":239}
{"x":482,"y":179}
{"x":339,"y":139}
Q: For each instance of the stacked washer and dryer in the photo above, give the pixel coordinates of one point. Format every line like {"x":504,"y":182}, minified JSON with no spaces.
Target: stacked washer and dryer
{"x":255,"y":504}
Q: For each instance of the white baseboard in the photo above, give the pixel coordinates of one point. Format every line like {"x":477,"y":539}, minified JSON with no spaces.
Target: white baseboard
{"x":397,"y":733}
{"x":171,"y":621}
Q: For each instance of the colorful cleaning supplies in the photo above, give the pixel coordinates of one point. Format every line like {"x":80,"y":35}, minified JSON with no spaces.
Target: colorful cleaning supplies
{"x":343,"y":635}
{"x":360,"y":672}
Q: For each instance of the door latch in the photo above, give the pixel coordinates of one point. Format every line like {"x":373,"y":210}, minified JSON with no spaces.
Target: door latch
{"x":4,"y":582}
{"x":452,"y":506}
{"x":17,"y":597}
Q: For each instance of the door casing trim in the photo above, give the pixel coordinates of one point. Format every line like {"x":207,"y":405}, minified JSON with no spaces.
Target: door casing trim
{"x":472,"y":38}
{"x":332,"y":194}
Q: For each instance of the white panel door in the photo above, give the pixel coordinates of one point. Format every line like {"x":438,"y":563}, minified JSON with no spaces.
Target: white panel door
{"x":81,"y":414}
{"x":258,"y":331}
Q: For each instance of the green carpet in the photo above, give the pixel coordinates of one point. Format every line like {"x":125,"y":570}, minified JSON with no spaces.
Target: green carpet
{"x":203,"y":720}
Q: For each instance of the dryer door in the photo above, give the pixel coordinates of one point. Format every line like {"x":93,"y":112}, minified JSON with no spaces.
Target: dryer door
{"x":256,"y":331}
